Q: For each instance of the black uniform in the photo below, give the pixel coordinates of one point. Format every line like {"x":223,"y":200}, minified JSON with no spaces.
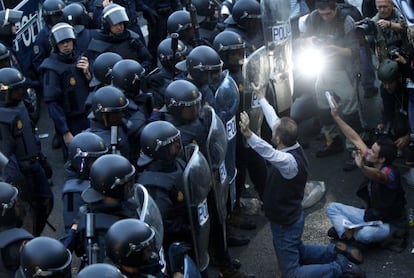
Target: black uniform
{"x":26,"y":167}
{"x":165,"y":184}
{"x":65,"y":91}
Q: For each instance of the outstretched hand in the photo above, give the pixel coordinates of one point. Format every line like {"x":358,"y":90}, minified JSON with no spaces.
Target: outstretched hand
{"x":244,"y":124}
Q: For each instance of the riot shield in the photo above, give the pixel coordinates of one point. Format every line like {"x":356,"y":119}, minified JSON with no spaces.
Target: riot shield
{"x":278,"y":43}
{"x":197,"y":185}
{"x":271,"y":65}
{"x":216,"y":154}
{"x":255,"y":70}
{"x":148,"y":212}
{"x":227,"y":104}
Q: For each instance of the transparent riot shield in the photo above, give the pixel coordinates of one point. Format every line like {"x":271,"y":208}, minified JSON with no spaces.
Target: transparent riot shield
{"x":255,"y":70}
{"x":149,"y":212}
{"x":216,"y":154}
{"x":270,"y":66}
{"x":278,"y":44}
{"x":227,"y":105}
{"x":197,"y":185}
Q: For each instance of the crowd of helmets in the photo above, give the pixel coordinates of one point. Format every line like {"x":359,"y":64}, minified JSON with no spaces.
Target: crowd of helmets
{"x":140,"y":99}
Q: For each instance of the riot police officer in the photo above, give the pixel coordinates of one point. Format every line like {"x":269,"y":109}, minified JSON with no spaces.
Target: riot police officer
{"x":127,"y":75}
{"x":207,"y":17}
{"x":180,"y":22}
{"x":27,"y":167}
{"x":76,"y":15}
{"x":66,"y":84}
{"x":52,"y":12}
{"x":169,"y":52}
{"x":83,"y":150}
{"x":12,"y":238}
{"x":245,"y":20}
{"x":44,"y":257}
{"x":100,"y":270}
{"x":232,"y":50}
{"x":111,"y":183}
{"x":109,"y":108}
{"x":183,"y":103}
{"x":115,"y":37}
{"x":130,"y":244}
{"x":204,"y":68}
{"x":160,"y":146}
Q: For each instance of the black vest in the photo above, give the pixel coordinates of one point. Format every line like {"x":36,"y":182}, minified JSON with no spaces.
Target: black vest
{"x":282,"y":198}
{"x":17,"y":121}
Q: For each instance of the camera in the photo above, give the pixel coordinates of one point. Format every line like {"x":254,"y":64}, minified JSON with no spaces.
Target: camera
{"x":395,"y":51}
{"x":367,"y":27}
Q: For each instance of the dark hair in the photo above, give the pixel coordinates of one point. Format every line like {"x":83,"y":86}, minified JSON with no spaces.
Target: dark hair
{"x":326,"y":4}
{"x":287,"y":131}
{"x":388,"y":150}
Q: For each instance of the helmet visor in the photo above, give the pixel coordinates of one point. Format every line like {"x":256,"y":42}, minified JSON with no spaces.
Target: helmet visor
{"x":116,"y":15}
{"x":10,"y":17}
{"x":63,"y":32}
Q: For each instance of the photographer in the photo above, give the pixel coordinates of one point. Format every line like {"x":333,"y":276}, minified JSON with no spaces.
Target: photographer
{"x":333,"y":32}
{"x":381,"y":190}
{"x":394,"y":97}
{"x":391,"y":31}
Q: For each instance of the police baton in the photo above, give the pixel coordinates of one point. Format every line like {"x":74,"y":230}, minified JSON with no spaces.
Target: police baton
{"x":114,"y":139}
{"x":93,"y":248}
{"x":174,"y":47}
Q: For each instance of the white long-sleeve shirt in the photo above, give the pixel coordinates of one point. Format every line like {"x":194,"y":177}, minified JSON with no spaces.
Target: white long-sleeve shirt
{"x":281,"y":159}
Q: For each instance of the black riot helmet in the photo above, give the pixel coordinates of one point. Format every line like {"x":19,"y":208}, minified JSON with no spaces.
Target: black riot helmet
{"x":5,"y":54}
{"x":83,"y":150}
{"x":205,"y":9}
{"x":127,"y":75}
{"x":8,"y":198}
{"x":180,"y":22}
{"x":61,"y":32}
{"x":388,"y":71}
{"x":113,"y":14}
{"x":231,"y":48}
{"x":52,"y":11}
{"x":183,"y":100}
{"x":156,"y":139}
{"x":109,"y":105}
{"x":100,"y":270}
{"x":45,"y":257}
{"x":111,"y":175}
{"x":8,"y":18}
{"x":131,"y":242}
{"x":102,"y":68}
{"x":204,"y":65}
{"x":76,"y":15}
{"x":247,"y":14}
{"x":165,"y":53}
{"x":11,"y":86}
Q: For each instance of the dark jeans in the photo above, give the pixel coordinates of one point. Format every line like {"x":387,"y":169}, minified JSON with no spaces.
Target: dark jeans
{"x":298,"y":260}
